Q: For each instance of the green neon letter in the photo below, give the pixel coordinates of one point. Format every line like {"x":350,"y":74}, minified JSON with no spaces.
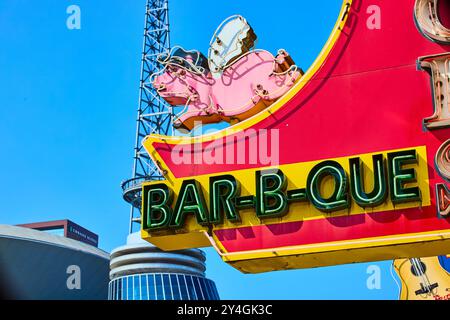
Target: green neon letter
{"x":190,"y":201}
{"x":399,"y":176}
{"x":339,"y":199}
{"x":156,"y":206}
{"x":270,"y":198}
{"x":222,"y":193}
{"x":379,"y":191}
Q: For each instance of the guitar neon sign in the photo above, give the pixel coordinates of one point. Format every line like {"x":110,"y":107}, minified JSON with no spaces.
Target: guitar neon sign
{"x":362,"y":168}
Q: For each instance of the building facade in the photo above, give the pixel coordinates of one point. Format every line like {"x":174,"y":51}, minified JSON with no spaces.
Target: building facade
{"x":65,"y":228}
{"x":141,"y":271}
{"x":40,"y":265}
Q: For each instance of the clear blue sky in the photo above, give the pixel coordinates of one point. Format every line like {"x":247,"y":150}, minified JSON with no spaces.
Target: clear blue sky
{"x":68,"y":101}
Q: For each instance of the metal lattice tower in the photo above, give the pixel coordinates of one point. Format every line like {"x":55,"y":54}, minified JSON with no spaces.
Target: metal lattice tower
{"x":154,"y":115}
{"x":138,"y":264}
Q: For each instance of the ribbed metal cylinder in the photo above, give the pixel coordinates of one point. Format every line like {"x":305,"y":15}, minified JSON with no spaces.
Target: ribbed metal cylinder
{"x":138,"y":256}
{"x":141,"y":271}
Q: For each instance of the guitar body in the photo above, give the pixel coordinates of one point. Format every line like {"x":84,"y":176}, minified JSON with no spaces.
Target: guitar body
{"x":423,"y":279}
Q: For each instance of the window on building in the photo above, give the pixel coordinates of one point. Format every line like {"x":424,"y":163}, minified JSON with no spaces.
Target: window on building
{"x":124,"y":288}
{"x":213,"y":290}
{"x":175,"y":287}
{"x":183,"y":287}
{"x":159,"y":287}
{"x":151,"y":287}
{"x":167,"y":287}
{"x":118,"y":291}
{"x":144,"y":287}
{"x":136,"y":288}
{"x":205,"y":290}
{"x":191,"y":288}
{"x":198,"y":290}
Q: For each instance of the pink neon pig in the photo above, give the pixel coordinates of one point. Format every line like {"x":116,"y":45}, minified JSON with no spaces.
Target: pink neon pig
{"x":246,"y":87}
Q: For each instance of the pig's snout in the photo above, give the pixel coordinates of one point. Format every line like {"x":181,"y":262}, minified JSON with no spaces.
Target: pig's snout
{"x":161,"y":87}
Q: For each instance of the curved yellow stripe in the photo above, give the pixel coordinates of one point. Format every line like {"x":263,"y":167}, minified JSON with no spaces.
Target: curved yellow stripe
{"x":411,"y":239}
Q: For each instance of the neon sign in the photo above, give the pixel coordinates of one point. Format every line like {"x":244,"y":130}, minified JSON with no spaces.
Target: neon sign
{"x":361,"y":170}
{"x":272,"y":197}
